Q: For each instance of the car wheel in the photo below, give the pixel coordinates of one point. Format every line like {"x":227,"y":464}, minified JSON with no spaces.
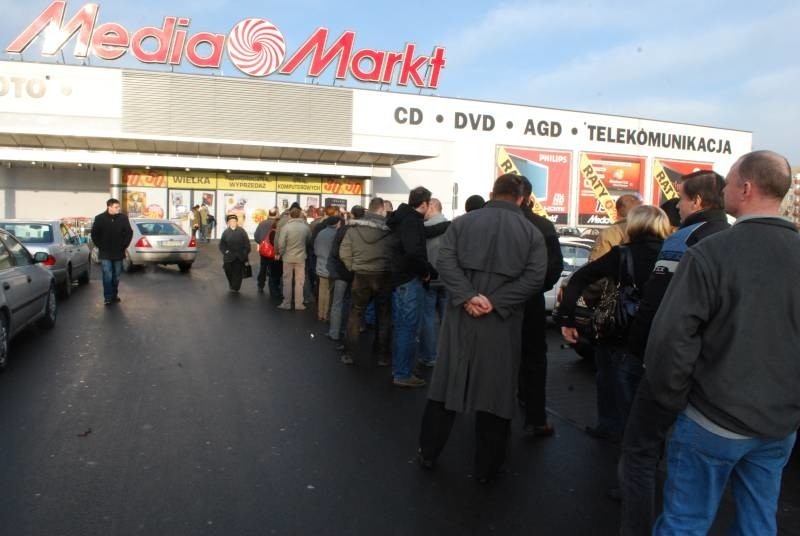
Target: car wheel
{"x":84,"y":278}
{"x":3,"y":341}
{"x":50,"y":310}
{"x":185,"y":266}
{"x":66,"y":286}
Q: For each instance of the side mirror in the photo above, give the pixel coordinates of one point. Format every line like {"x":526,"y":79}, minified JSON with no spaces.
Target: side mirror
{"x":39,"y":256}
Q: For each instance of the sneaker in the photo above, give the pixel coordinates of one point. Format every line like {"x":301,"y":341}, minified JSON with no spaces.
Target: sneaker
{"x":299,"y":307}
{"x":348,"y":360}
{"x":604,"y":435}
{"x":285,"y":307}
{"x":428,"y":364}
{"x":413,"y":381}
{"x":384,"y":362}
{"x":108,"y":301}
{"x":544,"y":430}
{"x":340,"y":347}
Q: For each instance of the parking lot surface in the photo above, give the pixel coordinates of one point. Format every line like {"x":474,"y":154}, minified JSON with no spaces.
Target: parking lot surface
{"x":188,"y":409}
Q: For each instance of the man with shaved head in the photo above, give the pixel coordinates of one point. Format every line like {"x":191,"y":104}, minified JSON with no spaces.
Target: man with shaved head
{"x":722,"y":351}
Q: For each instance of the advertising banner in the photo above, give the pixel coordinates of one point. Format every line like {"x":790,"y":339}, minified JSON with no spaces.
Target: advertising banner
{"x":342,"y":186}
{"x":603,"y":179}
{"x":666,"y":172}
{"x":144,"y":202}
{"x":549,"y":173}
{"x":299,"y":185}
{"x":192,"y":180}
{"x":145,"y":178}
{"x":252,"y":183}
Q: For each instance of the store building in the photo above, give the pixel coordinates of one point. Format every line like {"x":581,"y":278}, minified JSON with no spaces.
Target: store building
{"x":71,"y":136}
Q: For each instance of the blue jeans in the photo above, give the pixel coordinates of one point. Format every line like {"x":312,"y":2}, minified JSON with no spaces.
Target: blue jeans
{"x":433,"y":307}
{"x":699,"y":465}
{"x":111,"y":272}
{"x":406,"y":309}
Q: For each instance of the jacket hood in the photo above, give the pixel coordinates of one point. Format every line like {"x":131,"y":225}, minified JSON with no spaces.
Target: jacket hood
{"x":403,"y":211}
{"x":371,"y":228}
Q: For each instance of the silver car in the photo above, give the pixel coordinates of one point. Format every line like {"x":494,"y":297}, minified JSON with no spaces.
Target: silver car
{"x":159,"y":242}
{"x":575,"y":251}
{"x":27,"y":291}
{"x":68,"y":256}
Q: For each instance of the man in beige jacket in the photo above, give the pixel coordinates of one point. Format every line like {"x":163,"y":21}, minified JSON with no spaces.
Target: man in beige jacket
{"x":615,"y":234}
{"x":292,"y":242}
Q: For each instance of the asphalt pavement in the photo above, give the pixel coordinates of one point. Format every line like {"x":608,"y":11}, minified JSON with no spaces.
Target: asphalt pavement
{"x":188,"y":409}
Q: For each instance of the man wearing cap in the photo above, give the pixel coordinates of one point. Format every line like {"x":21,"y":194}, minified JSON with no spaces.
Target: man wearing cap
{"x":235,"y":248}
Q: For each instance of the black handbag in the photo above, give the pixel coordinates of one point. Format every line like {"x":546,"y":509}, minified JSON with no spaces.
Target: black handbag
{"x":619,"y":304}
{"x":248,"y":270}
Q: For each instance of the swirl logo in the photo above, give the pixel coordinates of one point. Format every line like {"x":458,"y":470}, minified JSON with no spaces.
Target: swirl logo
{"x":256,"y":47}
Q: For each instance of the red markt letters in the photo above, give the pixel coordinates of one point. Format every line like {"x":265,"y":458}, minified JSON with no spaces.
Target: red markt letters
{"x":171,"y":42}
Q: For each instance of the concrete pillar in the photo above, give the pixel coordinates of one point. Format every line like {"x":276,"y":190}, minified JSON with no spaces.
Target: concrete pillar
{"x":115,"y":183}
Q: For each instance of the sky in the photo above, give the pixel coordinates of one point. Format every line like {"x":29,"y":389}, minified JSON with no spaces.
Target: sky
{"x":723,"y":63}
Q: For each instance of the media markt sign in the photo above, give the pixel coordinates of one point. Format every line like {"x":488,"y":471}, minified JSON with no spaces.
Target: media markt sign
{"x":255,"y":46}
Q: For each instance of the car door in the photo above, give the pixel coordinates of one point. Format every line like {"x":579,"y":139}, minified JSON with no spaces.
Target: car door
{"x":30,"y":284}
{"x":15,"y":288}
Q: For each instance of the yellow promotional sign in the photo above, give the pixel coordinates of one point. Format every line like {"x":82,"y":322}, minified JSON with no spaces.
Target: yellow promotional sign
{"x":663,"y":181}
{"x":252,"y":183}
{"x":192,"y":180}
{"x":505,"y":163}
{"x":299,"y":185}
{"x":598,"y":188}
{"x":343,"y":187}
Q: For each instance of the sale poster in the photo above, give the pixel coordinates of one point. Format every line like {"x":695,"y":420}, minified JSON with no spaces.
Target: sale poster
{"x":667,"y":172}
{"x":549,"y":173}
{"x":604,"y":178}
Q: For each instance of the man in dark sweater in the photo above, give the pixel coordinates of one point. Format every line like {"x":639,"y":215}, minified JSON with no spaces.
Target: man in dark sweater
{"x":533,"y":365}
{"x":724,"y":354}
{"x":111,"y":233}
{"x":700,"y":205}
{"x":410,"y":270}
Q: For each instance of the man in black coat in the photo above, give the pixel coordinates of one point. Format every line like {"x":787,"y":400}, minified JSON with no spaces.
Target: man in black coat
{"x":111,"y":234}
{"x":533,"y":365}
{"x":701,"y":208}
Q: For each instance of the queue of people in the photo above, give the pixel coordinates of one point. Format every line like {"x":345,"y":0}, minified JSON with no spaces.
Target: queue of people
{"x":686,"y":342}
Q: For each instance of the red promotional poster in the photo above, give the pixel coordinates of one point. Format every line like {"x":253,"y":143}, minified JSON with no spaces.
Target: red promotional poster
{"x":666,"y":172}
{"x":549,"y":173}
{"x":613,"y":175}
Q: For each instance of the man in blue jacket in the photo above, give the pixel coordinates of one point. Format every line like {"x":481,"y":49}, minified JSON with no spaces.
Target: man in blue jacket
{"x":725,"y":356}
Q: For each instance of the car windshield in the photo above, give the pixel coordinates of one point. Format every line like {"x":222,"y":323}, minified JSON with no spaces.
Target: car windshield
{"x":159,"y":228}
{"x":574,"y":257}
{"x":30,"y":233}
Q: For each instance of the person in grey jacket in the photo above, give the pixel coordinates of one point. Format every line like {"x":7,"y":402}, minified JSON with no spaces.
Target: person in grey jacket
{"x":366,"y":250}
{"x":293,"y":239}
{"x":435,"y":295}
{"x":723,"y":350}
{"x":322,"y":250}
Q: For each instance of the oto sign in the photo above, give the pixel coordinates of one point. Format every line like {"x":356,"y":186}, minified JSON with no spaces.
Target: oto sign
{"x":254,"y":46}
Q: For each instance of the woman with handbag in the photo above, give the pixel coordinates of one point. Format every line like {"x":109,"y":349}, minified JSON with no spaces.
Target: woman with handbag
{"x":628,"y":266}
{"x":235,"y":248}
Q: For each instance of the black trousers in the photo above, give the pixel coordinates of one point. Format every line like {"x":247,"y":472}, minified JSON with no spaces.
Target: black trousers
{"x":532,"y":380}
{"x":234,"y":271}
{"x":263,"y":271}
{"x":491,"y":437}
{"x":642,"y":445}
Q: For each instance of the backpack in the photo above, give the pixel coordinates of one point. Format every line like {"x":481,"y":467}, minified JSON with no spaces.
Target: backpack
{"x":619,"y":304}
{"x":266,"y":249}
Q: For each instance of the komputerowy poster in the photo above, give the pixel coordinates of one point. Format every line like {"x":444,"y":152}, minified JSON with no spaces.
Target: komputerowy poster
{"x":549,"y":173}
{"x":604,"y":178}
